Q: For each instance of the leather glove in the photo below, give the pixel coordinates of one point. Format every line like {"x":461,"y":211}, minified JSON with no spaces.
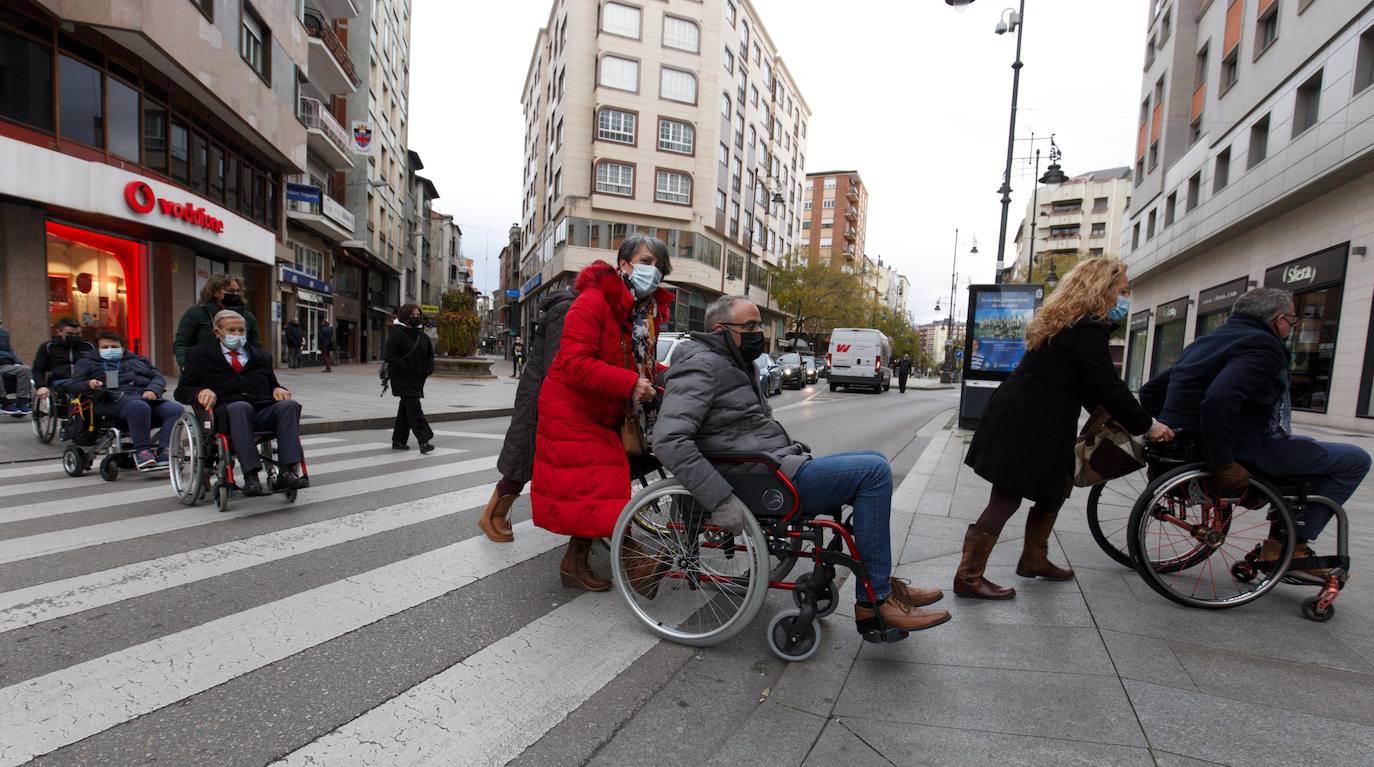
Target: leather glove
{"x":1232,"y":476}
{"x":730,"y":514}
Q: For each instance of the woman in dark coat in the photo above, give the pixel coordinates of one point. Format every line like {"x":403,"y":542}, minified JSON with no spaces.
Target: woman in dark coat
{"x":409,"y":357}
{"x":516,"y":463}
{"x":1024,"y":442}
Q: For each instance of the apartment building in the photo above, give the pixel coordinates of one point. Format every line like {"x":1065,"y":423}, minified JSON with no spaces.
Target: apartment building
{"x":1080,"y":218}
{"x":417,"y":258}
{"x":678,"y":119}
{"x":1254,"y":161}
{"x":144,"y":146}
{"x":835,"y":219}
{"x":449,"y":271}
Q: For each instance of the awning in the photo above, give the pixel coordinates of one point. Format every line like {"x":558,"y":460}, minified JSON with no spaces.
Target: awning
{"x":311,"y":297}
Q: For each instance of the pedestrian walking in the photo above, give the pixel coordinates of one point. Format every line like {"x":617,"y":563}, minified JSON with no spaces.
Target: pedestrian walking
{"x":295,"y":340}
{"x":903,"y":371}
{"x":409,"y":357}
{"x":592,"y":403}
{"x":1024,"y":441}
{"x":326,"y":342}
{"x":197,"y":326}
{"x":516,"y":463}
{"x":517,"y":352}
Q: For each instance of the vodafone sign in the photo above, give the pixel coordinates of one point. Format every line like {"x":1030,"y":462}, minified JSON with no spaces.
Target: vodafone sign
{"x":139,"y":196}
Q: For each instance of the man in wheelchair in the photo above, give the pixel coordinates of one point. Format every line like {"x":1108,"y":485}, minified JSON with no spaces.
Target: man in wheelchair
{"x":19,"y":378}
{"x":236,"y":382}
{"x":1230,"y":387}
{"x":128,"y":387}
{"x":712,"y":403}
{"x":56,"y":358}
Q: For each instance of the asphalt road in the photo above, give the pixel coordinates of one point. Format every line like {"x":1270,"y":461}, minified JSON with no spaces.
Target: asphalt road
{"x":368,"y":623}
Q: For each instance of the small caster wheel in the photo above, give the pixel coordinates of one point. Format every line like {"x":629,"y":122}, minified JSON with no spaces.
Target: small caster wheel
{"x":1311,"y":612}
{"x":825,"y":602}
{"x":221,"y":496}
{"x":290,"y":495}
{"x":74,"y":461}
{"x":1242,"y":572}
{"x":109,"y":468}
{"x":790,"y":640}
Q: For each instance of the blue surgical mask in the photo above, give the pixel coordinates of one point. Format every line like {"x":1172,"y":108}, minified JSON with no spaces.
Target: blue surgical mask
{"x":235,"y":342}
{"x":644,"y":280}
{"x":1123,"y":307}
{"x":112,"y":354}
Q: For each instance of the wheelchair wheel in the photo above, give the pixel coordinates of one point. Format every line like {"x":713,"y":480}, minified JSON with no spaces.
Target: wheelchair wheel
{"x":44,"y":420}
{"x":826,"y":602}
{"x":220,"y":492}
{"x":1200,"y":548}
{"x":693,"y":583}
{"x":74,"y":461}
{"x":109,"y":468}
{"x":782,"y":557}
{"x":792,"y":640}
{"x":1313,"y":612}
{"x":1109,"y":513}
{"x":186,"y":460}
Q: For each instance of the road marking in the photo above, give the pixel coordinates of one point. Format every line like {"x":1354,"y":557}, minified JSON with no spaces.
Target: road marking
{"x":42,"y":544}
{"x":63,"y":707}
{"x":802,"y":403}
{"x":44,"y":602}
{"x":472,"y":435}
{"x":494,"y":704}
{"x":55,"y":467}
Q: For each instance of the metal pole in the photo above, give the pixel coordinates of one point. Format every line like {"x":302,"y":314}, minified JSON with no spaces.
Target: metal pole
{"x":949,"y":322}
{"x":1011,"y":141}
{"x":1035,"y":216}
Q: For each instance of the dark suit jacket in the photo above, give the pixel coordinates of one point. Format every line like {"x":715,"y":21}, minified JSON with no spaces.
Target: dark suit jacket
{"x":206,"y":368}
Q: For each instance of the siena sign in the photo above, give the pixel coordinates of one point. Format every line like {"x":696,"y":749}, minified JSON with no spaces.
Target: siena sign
{"x":140,"y":199}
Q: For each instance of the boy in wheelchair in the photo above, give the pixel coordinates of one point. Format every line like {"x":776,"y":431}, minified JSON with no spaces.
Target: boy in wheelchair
{"x":128,"y":387}
{"x":712,"y":404}
{"x":1230,"y":388}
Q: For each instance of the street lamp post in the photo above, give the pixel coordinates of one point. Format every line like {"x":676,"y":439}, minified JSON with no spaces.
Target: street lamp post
{"x":947,"y":374}
{"x":1054,"y":176}
{"x":1011,"y":21}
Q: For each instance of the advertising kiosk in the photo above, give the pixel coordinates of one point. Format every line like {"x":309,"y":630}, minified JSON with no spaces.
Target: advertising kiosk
{"x":994,"y":342}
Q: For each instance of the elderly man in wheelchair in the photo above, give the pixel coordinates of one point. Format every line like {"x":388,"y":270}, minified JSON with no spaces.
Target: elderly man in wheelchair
{"x":712,"y":405}
{"x":236,"y":383}
{"x":1229,"y":389}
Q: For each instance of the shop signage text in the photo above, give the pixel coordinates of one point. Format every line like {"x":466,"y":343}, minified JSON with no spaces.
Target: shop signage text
{"x":140,"y":199}
{"x":1314,"y":271}
{"x":1220,"y":298}
{"x":1173,"y":311}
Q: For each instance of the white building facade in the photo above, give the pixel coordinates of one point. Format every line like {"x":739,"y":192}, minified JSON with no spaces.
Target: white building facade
{"x":1081,"y":218}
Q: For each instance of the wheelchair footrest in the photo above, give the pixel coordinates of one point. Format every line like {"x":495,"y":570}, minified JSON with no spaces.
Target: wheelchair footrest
{"x":873,"y":630}
{"x":1320,"y":563}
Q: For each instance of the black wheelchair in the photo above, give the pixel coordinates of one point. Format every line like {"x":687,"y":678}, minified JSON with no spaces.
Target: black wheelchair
{"x":50,"y":413}
{"x":201,"y":461}
{"x":698,"y":584}
{"x":1201,"y":546}
{"x":89,"y":435}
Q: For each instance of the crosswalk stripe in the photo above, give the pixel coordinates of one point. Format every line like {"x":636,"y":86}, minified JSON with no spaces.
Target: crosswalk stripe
{"x":35,"y":604}
{"x":161,"y":488}
{"x":54,"y":466}
{"x":473,"y":435}
{"x":42,"y":544}
{"x":62,"y":707}
{"x":493,"y":705}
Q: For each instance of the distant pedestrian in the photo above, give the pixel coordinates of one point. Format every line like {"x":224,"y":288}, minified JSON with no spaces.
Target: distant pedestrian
{"x":516,"y":463}
{"x":221,"y":291}
{"x":326,"y":342}
{"x":1024,"y":442}
{"x":903,"y":371}
{"x":409,"y":356}
{"x":295,"y":339}
{"x":517,"y":352}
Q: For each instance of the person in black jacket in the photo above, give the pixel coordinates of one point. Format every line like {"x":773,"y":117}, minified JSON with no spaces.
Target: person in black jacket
{"x":1024,"y":441}
{"x":903,"y":372}
{"x":56,"y":358}
{"x":130,"y":389}
{"x":409,"y":356}
{"x":326,"y":341}
{"x":516,"y":463}
{"x":295,"y":340}
{"x":13,"y":368}
{"x":221,"y":291}
{"x":1231,"y":387}
{"x":235,"y":381}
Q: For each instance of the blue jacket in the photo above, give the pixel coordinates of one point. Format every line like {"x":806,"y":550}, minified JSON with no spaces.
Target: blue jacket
{"x":1225,"y":387}
{"x":7,"y":355}
{"x":136,"y":374}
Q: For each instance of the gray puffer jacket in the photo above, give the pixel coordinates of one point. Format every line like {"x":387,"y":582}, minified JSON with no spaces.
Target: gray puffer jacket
{"x":713,"y":404}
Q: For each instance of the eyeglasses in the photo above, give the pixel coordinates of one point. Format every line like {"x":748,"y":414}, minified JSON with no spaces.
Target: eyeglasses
{"x":1291,"y":318}
{"x":749,"y":327}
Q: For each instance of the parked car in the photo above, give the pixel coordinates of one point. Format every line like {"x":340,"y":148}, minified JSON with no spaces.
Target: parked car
{"x":793,"y":370}
{"x":813,"y":369}
{"x":667,"y":344}
{"x":860,"y":357}
{"x":770,"y":377}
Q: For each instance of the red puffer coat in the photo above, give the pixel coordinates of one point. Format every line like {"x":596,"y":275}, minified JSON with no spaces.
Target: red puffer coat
{"x":581,"y":475}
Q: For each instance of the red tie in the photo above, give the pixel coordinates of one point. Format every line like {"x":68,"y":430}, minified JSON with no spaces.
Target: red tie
{"x":234,"y":362}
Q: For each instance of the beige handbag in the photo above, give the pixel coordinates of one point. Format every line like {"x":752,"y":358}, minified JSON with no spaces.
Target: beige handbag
{"x":1105,"y":451}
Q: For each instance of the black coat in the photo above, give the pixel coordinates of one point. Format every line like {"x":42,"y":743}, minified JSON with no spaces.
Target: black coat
{"x":1225,"y":387}
{"x":517,"y":452}
{"x":1024,"y":442}
{"x":295,"y":337}
{"x":326,"y":338}
{"x":409,"y":356}
{"x":206,"y":368}
{"x":903,"y":368}
{"x":55,"y":360}
{"x":197,"y":327}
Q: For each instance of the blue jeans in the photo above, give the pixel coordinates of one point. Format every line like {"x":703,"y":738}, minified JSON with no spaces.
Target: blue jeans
{"x":139,"y":414}
{"x":864,"y":479}
{"x":1342,"y":470}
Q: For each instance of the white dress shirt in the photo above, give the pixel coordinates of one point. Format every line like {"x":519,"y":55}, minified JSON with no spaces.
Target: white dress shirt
{"x":229,"y":355}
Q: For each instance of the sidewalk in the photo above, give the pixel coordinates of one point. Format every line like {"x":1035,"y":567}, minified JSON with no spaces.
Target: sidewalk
{"x":341,"y":400}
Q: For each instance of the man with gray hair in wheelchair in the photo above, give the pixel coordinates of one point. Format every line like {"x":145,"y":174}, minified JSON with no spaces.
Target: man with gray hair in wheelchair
{"x":712,"y":404}
{"x":1230,"y":387}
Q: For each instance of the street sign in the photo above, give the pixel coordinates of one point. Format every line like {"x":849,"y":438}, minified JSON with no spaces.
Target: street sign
{"x":959,"y":354}
{"x":512,"y":293}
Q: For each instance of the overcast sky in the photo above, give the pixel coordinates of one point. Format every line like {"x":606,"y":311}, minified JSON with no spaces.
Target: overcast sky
{"x":911,"y":93}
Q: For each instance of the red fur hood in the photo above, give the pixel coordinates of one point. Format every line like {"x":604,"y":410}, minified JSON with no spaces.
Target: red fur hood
{"x":601,"y":276}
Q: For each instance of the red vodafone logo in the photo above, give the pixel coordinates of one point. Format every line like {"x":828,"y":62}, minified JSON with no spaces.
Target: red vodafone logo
{"x":139,"y":196}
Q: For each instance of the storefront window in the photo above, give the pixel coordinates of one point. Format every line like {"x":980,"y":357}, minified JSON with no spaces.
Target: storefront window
{"x":82,"y":105}
{"x":25,"y":80}
{"x":97,"y":280}
{"x":1313,"y":344}
{"x":181,"y":151}
{"x":123,"y":119}
{"x":200,"y":162}
{"x":1171,"y":325}
{"x":1209,"y":322}
{"x":1214,"y":304}
{"x":1137,"y":340}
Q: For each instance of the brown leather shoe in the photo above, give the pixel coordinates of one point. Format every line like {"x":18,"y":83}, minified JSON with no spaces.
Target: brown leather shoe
{"x":968,"y":579}
{"x":576,"y":571}
{"x":913,"y":596}
{"x":899,"y":615}
{"x":643,"y":570}
{"x":495,"y":519}
{"x":1035,"y":555}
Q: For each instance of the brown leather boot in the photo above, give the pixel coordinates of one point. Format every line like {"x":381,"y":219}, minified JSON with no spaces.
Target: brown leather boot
{"x":576,"y":571}
{"x":899,"y":615}
{"x":914,"y":596}
{"x":643,"y":570}
{"x":968,"y":579}
{"x":495,"y":519}
{"x":1035,"y":555}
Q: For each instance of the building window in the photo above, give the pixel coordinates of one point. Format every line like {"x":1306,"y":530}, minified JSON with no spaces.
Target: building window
{"x":1150,"y":227}
{"x":621,"y":74}
{"x":827,"y":223}
{"x":1194,"y":192}
{"x":615,"y":178}
{"x":26,"y":80}
{"x":254,"y":44}
{"x":1099,"y":204}
{"x":681,"y":34}
{"x":806,"y":205}
{"x":677,"y":85}
{"x":1170,"y":203}
{"x":558,"y":184}
{"x":1307,"y":109}
{"x":673,"y":187}
{"x":729,"y":61}
{"x":80,"y":101}
{"x":734,"y":220}
{"x":723,"y":154}
{"x":730,"y":12}
{"x":121,"y":119}
{"x":828,"y":203}
{"x":830,"y":183}
{"x":724,"y":105}
{"x":206,"y":7}
{"x":1259,"y":142}
{"x":1064,"y":232}
{"x":753,"y":95}
{"x":827,"y":242}
{"x":1066,"y":206}
{"x":622,"y":20}
{"x":181,"y":155}
{"x":1135,"y":236}
{"x":737,"y":174}
{"x":806,"y":224}
{"x":616,"y":125}
{"x":720,"y":201}
{"x":675,"y":136}
{"x":1267,"y":28}
{"x":1095,"y":252}
{"x":1099,"y":229}
{"x":1364,"y":62}
{"x":1221,"y":176}
{"x":1230,"y":69}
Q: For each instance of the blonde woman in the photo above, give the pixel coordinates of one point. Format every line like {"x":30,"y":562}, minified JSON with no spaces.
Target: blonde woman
{"x":1024,"y":442}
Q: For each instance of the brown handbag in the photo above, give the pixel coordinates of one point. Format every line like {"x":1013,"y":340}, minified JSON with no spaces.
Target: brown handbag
{"x":1105,"y":451}
{"x":631,"y":433}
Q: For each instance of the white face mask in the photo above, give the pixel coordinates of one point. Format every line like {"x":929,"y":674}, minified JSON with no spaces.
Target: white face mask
{"x":234,"y":342}
{"x":644,"y":280}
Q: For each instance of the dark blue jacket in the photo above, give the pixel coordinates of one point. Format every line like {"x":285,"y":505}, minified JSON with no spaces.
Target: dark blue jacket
{"x":136,"y":374}
{"x":7,"y":355}
{"x":1225,"y":387}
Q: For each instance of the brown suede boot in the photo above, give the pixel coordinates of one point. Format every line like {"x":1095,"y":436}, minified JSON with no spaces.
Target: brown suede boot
{"x":495,"y":519}
{"x":643,"y":570}
{"x":576,"y":571}
{"x":1035,"y":556}
{"x":968,"y":579}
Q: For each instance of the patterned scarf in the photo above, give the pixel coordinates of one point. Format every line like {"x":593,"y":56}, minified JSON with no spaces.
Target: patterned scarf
{"x":643,"y":331}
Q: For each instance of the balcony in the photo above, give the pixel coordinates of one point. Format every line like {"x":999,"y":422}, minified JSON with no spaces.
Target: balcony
{"x":851,"y":234}
{"x":851,"y":213}
{"x":336,"y":9}
{"x":331,"y":70}
{"x":326,"y":138}
{"x":849,"y":252}
{"x":310,"y":207}
{"x":853,"y":193}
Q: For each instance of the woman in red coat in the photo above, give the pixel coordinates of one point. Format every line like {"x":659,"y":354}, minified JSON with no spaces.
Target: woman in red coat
{"x":605,"y":363}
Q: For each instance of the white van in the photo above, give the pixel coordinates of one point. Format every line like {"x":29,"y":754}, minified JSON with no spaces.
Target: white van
{"x":860,"y":357}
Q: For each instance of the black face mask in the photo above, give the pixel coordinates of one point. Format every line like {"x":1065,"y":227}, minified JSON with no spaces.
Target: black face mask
{"x":751,"y":345}
{"x":70,"y":340}
{"x":414,"y":322}
{"x":231,"y":300}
